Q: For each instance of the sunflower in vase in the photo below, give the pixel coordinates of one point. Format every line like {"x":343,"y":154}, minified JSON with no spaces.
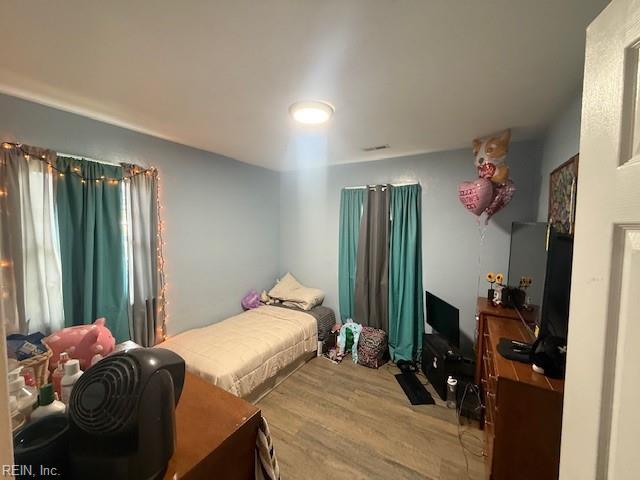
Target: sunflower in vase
{"x":494,"y":294}
{"x":491,"y":278}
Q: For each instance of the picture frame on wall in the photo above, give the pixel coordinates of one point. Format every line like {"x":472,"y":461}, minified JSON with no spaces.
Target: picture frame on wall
{"x":563,"y":187}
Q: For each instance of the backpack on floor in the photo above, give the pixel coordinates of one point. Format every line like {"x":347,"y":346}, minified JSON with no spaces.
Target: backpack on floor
{"x":372,"y":347}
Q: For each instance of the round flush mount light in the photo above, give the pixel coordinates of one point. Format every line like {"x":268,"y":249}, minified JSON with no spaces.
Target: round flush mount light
{"x":311,"y":112}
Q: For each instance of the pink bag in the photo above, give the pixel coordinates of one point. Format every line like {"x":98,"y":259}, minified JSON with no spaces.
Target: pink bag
{"x":372,"y":347}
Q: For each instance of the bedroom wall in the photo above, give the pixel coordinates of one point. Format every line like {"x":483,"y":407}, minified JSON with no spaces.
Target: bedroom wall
{"x":221,"y":231}
{"x":560,"y":142}
{"x":451,"y":244}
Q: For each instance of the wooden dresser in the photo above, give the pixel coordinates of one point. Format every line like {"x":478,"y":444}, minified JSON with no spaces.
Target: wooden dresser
{"x":523,"y":409}
{"x":215,"y":434}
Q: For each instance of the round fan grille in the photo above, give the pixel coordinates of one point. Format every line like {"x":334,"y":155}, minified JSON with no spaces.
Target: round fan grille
{"x":105,"y":397}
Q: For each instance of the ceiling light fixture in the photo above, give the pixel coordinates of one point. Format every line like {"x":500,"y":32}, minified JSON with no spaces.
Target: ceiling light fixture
{"x":311,"y":112}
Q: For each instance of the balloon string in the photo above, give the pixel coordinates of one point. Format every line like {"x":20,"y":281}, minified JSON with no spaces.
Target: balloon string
{"x":482,"y":231}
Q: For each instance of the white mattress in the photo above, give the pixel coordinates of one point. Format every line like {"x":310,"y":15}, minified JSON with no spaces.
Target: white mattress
{"x":242,"y":352}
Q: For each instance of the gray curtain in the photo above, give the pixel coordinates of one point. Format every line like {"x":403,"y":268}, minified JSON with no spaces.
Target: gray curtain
{"x":30,"y":268}
{"x":11,"y":278}
{"x":146,"y":315}
{"x":372,"y":279}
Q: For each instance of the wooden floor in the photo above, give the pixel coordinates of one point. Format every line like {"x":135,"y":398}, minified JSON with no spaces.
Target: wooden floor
{"x":350,"y":422}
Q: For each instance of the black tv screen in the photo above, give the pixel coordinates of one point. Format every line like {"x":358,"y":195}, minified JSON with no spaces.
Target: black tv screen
{"x":444,"y":318}
{"x":542,"y":254}
{"x":557,"y":286}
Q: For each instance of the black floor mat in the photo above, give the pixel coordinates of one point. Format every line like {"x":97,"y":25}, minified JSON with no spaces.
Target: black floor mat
{"x":414,"y":389}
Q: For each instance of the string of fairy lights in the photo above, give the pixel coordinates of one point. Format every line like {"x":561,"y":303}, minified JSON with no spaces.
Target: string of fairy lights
{"x":162,"y":304}
{"x":75,"y":170}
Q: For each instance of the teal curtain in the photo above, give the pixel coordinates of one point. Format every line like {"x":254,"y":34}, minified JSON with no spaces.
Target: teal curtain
{"x":406,"y":310}
{"x":92,"y":243}
{"x":351,"y":203}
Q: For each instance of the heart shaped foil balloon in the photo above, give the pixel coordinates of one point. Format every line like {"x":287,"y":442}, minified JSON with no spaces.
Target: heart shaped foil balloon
{"x":476,"y":195}
{"x":502,"y":196}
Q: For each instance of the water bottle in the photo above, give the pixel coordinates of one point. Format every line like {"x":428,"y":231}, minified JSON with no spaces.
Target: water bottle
{"x":452,"y":384}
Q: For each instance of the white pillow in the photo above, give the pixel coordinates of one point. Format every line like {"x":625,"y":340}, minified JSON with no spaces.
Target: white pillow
{"x":293,"y":294}
{"x":284,"y":287}
{"x":305,"y":298}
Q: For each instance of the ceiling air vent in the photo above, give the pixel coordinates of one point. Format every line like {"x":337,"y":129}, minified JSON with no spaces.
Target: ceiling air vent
{"x":375,"y":148}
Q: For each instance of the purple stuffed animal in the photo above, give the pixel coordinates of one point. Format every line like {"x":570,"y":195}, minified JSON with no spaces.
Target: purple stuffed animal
{"x":251,"y":300}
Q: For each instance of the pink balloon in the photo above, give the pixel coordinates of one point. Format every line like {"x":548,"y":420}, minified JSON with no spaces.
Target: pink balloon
{"x":501,"y":197}
{"x":476,"y":195}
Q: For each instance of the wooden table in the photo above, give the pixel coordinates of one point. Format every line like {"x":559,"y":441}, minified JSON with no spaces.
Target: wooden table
{"x":485,"y":309}
{"x":215,"y":434}
{"x":523,"y":409}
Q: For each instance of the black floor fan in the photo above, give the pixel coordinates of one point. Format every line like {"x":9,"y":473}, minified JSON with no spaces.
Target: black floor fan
{"x":121,"y":416}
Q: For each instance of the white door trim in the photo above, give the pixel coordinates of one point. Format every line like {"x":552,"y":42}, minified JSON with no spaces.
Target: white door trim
{"x":597,"y":418}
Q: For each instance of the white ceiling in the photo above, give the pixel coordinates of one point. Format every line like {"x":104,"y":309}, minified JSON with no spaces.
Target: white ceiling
{"x":220,"y":75}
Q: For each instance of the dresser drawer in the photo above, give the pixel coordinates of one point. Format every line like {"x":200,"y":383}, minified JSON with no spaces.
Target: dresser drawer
{"x":489,"y":374}
{"x":491,"y":410}
{"x":487,"y":352}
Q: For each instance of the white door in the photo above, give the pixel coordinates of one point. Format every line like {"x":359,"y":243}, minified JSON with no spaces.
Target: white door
{"x":601,"y":424}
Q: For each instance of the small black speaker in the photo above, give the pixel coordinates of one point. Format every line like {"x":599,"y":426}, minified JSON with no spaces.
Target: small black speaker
{"x":513,"y":297}
{"x":122,"y":415}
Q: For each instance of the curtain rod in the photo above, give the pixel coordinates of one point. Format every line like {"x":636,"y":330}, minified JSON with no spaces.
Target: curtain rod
{"x":80,"y":157}
{"x":77,"y":157}
{"x":76,"y":170}
{"x":356,"y":187}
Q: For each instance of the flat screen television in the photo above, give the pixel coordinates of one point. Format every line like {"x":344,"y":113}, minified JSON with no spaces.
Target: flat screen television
{"x":554,"y":315}
{"x":546,"y":257}
{"x":444,"y":318}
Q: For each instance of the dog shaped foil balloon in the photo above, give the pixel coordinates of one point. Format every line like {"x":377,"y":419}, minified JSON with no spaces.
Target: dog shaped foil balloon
{"x":490,"y":153}
{"x":493,"y":190}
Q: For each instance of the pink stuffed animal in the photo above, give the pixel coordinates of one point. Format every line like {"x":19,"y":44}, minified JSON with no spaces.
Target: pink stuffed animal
{"x":87,"y":343}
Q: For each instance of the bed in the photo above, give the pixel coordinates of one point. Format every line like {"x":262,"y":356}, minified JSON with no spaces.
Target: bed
{"x":250,"y":353}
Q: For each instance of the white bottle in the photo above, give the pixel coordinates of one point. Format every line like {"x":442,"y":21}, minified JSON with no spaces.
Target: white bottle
{"x":72,"y":373}
{"x":451,"y":392}
{"x":26,"y":397}
{"x":17,"y":419}
{"x":47,"y":404}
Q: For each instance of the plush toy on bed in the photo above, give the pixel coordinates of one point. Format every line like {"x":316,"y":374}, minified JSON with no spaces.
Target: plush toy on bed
{"x":250,"y":300}
{"x":87,"y":343}
{"x":267,"y":300}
